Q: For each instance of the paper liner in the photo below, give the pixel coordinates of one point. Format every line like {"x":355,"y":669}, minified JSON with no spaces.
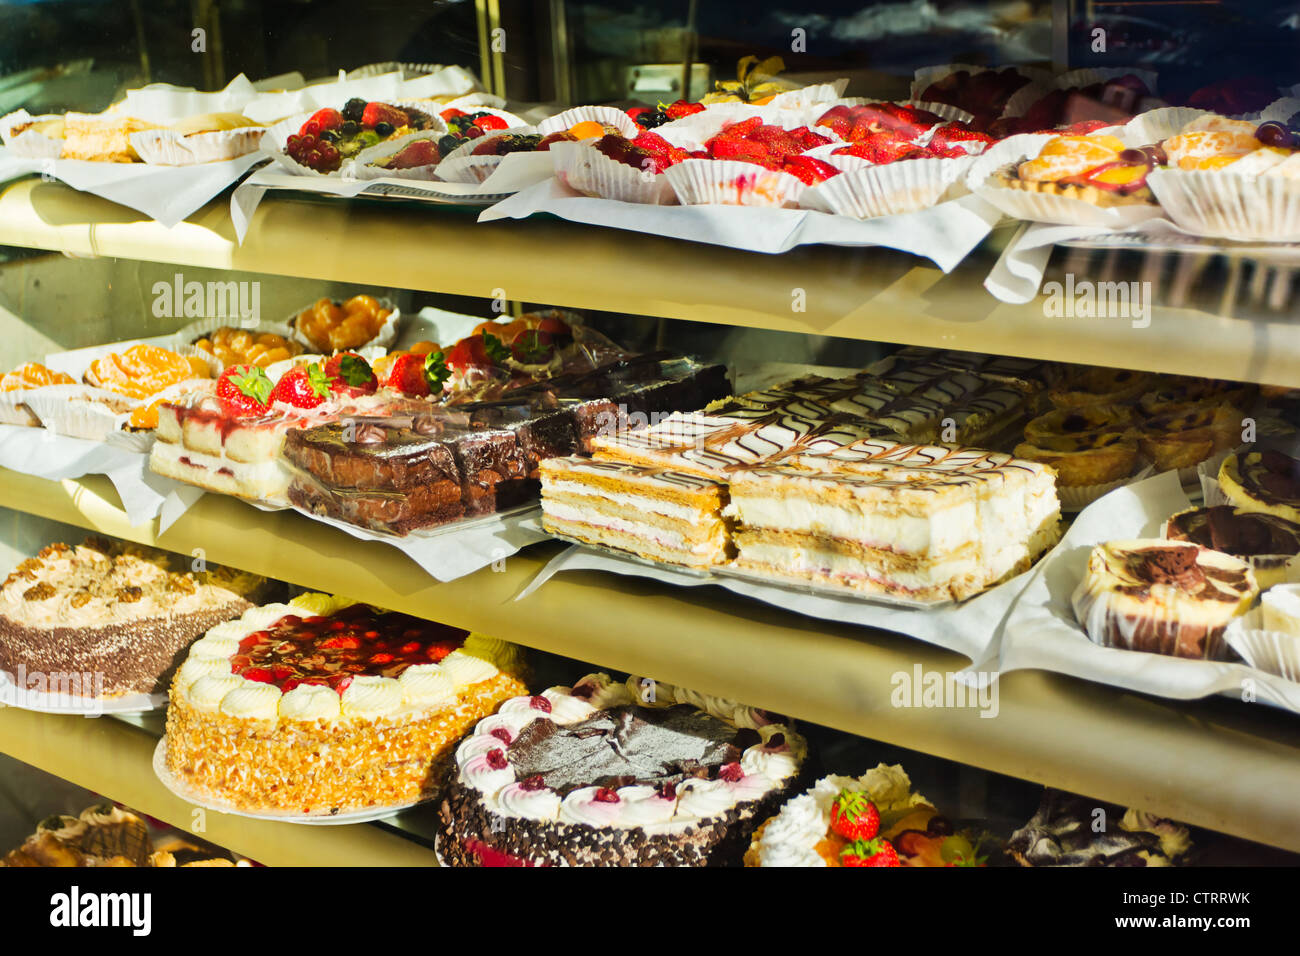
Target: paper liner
{"x":582,"y":167}
{"x":31,"y":144}
{"x":462,"y":166}
{"x":475,"y":101}
{"x":358,"y":167}
{"x":1270,"y":651}
{"x":608,"y":115}
{"x":1027,"y":96}
{"x":46,"y":703}
{"x":732,"y":183}
{"x":79,"y":411}
{"x":13,"y":410}
{"x":690,"y":132}
{"x":1077,"y":497}
{"x":386,"y":336}
{"x":886,"y":190}
{"x":926,"y":75}
{"x":1044,"y":207}
{"x":1227,"y":205}
{"x":814,"y":95}
{"x":1156,"y":126}
{"x":164,"y":147}
{"x":1281,"y":109}
{"x":1191,"y":477}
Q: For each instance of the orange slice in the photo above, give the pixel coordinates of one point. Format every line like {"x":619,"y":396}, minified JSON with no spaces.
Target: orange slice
{"x":1068,"y":156}
{"x":33,"y":375}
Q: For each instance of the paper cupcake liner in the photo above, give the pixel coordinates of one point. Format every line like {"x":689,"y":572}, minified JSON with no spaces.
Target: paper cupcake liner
{"x":80,"y":411}
{"x":29,"y":145}
{"x":608,"y":115}
{"x":14,"y":411}
{"x":277,"y":134}
{"x":1191,"y":477}
{"x":359,"y":167}
{"x":1155,"y":126}
{"x":982,"y":179}
{"x":888,"y":190}
{"x":1270,"y":651}
{"x":467,"y":148}
{"x":1027,"y":96}
{"x":471,"y":170}
{"x":1226,"y":205}
{"x":949,"y":113}
{"x":582,"y":167}
{"x":1077,"y":497}
{"x":163,"y":147}
{"x":690,"y":132}
{"x":472,"y":102}
{"x":728,"y":182}
{"x":813,"y":95}
{"x":926,"y":75}
{"x":392,"y":66}
{"x":384,"y":339}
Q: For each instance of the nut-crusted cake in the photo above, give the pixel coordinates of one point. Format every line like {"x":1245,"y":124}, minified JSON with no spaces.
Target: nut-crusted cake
{"x":595,"y":775}
{"x":1163,"y":597}
{"x":322,"y":705}
{"x":113,"y":616}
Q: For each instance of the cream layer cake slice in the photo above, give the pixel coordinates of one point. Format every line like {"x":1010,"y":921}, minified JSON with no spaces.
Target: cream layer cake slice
{"x":655,"y":513}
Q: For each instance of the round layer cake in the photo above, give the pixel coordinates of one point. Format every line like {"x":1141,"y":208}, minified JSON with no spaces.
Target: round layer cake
{"x":595,"y":776}
{"x":106,"y":619}
{"x":323,"y":705}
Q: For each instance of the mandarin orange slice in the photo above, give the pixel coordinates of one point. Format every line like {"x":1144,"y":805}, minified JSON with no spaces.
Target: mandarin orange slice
{"x":33,"y":375}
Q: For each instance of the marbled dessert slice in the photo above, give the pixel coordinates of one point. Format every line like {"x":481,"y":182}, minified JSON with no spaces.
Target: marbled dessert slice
{"x":1162,"y":597}
{"x":106,"y":619}
{"x":654,"y":513}
{"x":592,"y":776}
{"x":1061,"y":833}
{"x":1267,"y":482}
{"x":1264,"y":541}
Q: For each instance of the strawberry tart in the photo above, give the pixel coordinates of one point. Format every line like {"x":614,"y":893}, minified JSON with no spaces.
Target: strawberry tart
{"x":321,"y":706}
{"x":872,"y":820}
{"x":610,"y":774}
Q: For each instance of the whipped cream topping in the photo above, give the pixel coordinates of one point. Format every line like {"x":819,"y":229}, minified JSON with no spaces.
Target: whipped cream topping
{"x":763,"y":767}
{"x":106,"y":815}
{"x":205,"y":680}
{"x":62,"y":827}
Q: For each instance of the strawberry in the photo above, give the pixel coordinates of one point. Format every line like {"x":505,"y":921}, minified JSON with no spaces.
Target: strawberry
{"x":950,"y":133}
{"x":303,"y":386}
{"x":841,"y":126}
{"x":340,"y":643}
{"x":451,"y":113}
{"x":555,"y":326}
{"x":741,"y":129}
{"x":532,"y":347}
{"x":854,"y":816}
{"x":350,"y":375}
{"x":682,"y":108}
{"x":488,"y":122}
{"x":244,"y":391}
{"x":476,"y":351}
{"x":259,"y":674}
{"x":778,"y":142}
{"x":414,"y":374}
{"x":876,"y":852}
{"x":740,"y":149}
{"x":320,"y":121}
{"x":807,"y":139}
{"x":808,"y":170}
{"x":376,"y":113}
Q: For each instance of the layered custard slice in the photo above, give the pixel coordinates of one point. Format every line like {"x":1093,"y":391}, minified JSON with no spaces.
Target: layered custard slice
{"x":655,"y":513}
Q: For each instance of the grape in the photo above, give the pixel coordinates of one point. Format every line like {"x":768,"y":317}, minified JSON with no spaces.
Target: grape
{"x":1273,"y":134}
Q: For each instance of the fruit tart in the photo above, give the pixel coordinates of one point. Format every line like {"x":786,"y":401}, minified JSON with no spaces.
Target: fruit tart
{"x":31,"y":375}
{"x":143,"y":372}
{"x":1182,"y":437}
{"x":330,"y":325}
{"x":234,"y":346}
{"x":329,"y":136}
{"x":618,"y":168}
{"x":872,"y":820}
{"x":1097,"y":169}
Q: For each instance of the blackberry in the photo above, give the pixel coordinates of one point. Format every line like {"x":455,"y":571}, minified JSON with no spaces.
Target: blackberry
{"x":653,"y":119}
{"x":353,"y":109}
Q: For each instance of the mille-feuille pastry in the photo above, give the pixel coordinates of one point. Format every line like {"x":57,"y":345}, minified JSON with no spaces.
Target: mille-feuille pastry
{"x":1280,"y":609}
{"x":1263,"y":481}
{"x":1075,"y":387}
{"x":1183,"y":437}
{"x":1086,"y":446}
{"x":1162,"y":597}
{"x":1098,"y":169}
{"x":1266,"y":542}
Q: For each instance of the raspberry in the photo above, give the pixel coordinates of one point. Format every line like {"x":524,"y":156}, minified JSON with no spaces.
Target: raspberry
{"x":535,"y":782}
{"x":731,"y":773}
{"x":540,"y":703}
{"x":668,"y":791}
{"x":496,"y":759}
{"x":605,"y":795}
{"x":502,"y":735}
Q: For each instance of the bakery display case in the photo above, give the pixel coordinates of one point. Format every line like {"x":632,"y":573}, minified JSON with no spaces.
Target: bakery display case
{"x":576,"y":435}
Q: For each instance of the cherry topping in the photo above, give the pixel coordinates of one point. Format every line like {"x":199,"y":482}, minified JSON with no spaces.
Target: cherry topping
{"x":496,"y":759}
{"x":731,"y":773}
{"x":605,"y":795}
{"x":668,"y":791}
{"x":583,"y":691}
{"x":502,"y":735}
{"x":535,"y":782}
{"x":776,"y":742}
{"x":540,"y":703}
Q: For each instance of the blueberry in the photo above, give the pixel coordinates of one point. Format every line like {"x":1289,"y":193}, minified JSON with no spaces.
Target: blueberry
{"x":384,"y":129}
{"x":448,"y":143}
{"x":330,"y":136}
{"x":350,"y":127}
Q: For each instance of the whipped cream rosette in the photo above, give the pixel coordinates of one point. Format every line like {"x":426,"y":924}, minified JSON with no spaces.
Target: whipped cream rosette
{"x":583,"y":167}
{"x":1016,"y":177}
{"x":605,"y":115}
{"x":730,"y":182}
{"x":321,"y":705}
{"x":609,"y":774}
{"x":37,"y":137}
{"x":1162,"y":597}
{"x":869,"y":191}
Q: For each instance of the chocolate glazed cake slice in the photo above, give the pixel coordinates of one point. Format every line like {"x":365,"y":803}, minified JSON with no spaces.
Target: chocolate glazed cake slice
{"x":588,"y":777}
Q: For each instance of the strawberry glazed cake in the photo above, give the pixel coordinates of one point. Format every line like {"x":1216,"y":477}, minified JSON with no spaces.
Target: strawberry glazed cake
{"x":322,"y":705}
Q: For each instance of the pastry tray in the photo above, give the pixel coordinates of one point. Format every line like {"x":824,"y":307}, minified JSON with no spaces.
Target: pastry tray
{"x":210,"y":802}
{"x":717,"y":572}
